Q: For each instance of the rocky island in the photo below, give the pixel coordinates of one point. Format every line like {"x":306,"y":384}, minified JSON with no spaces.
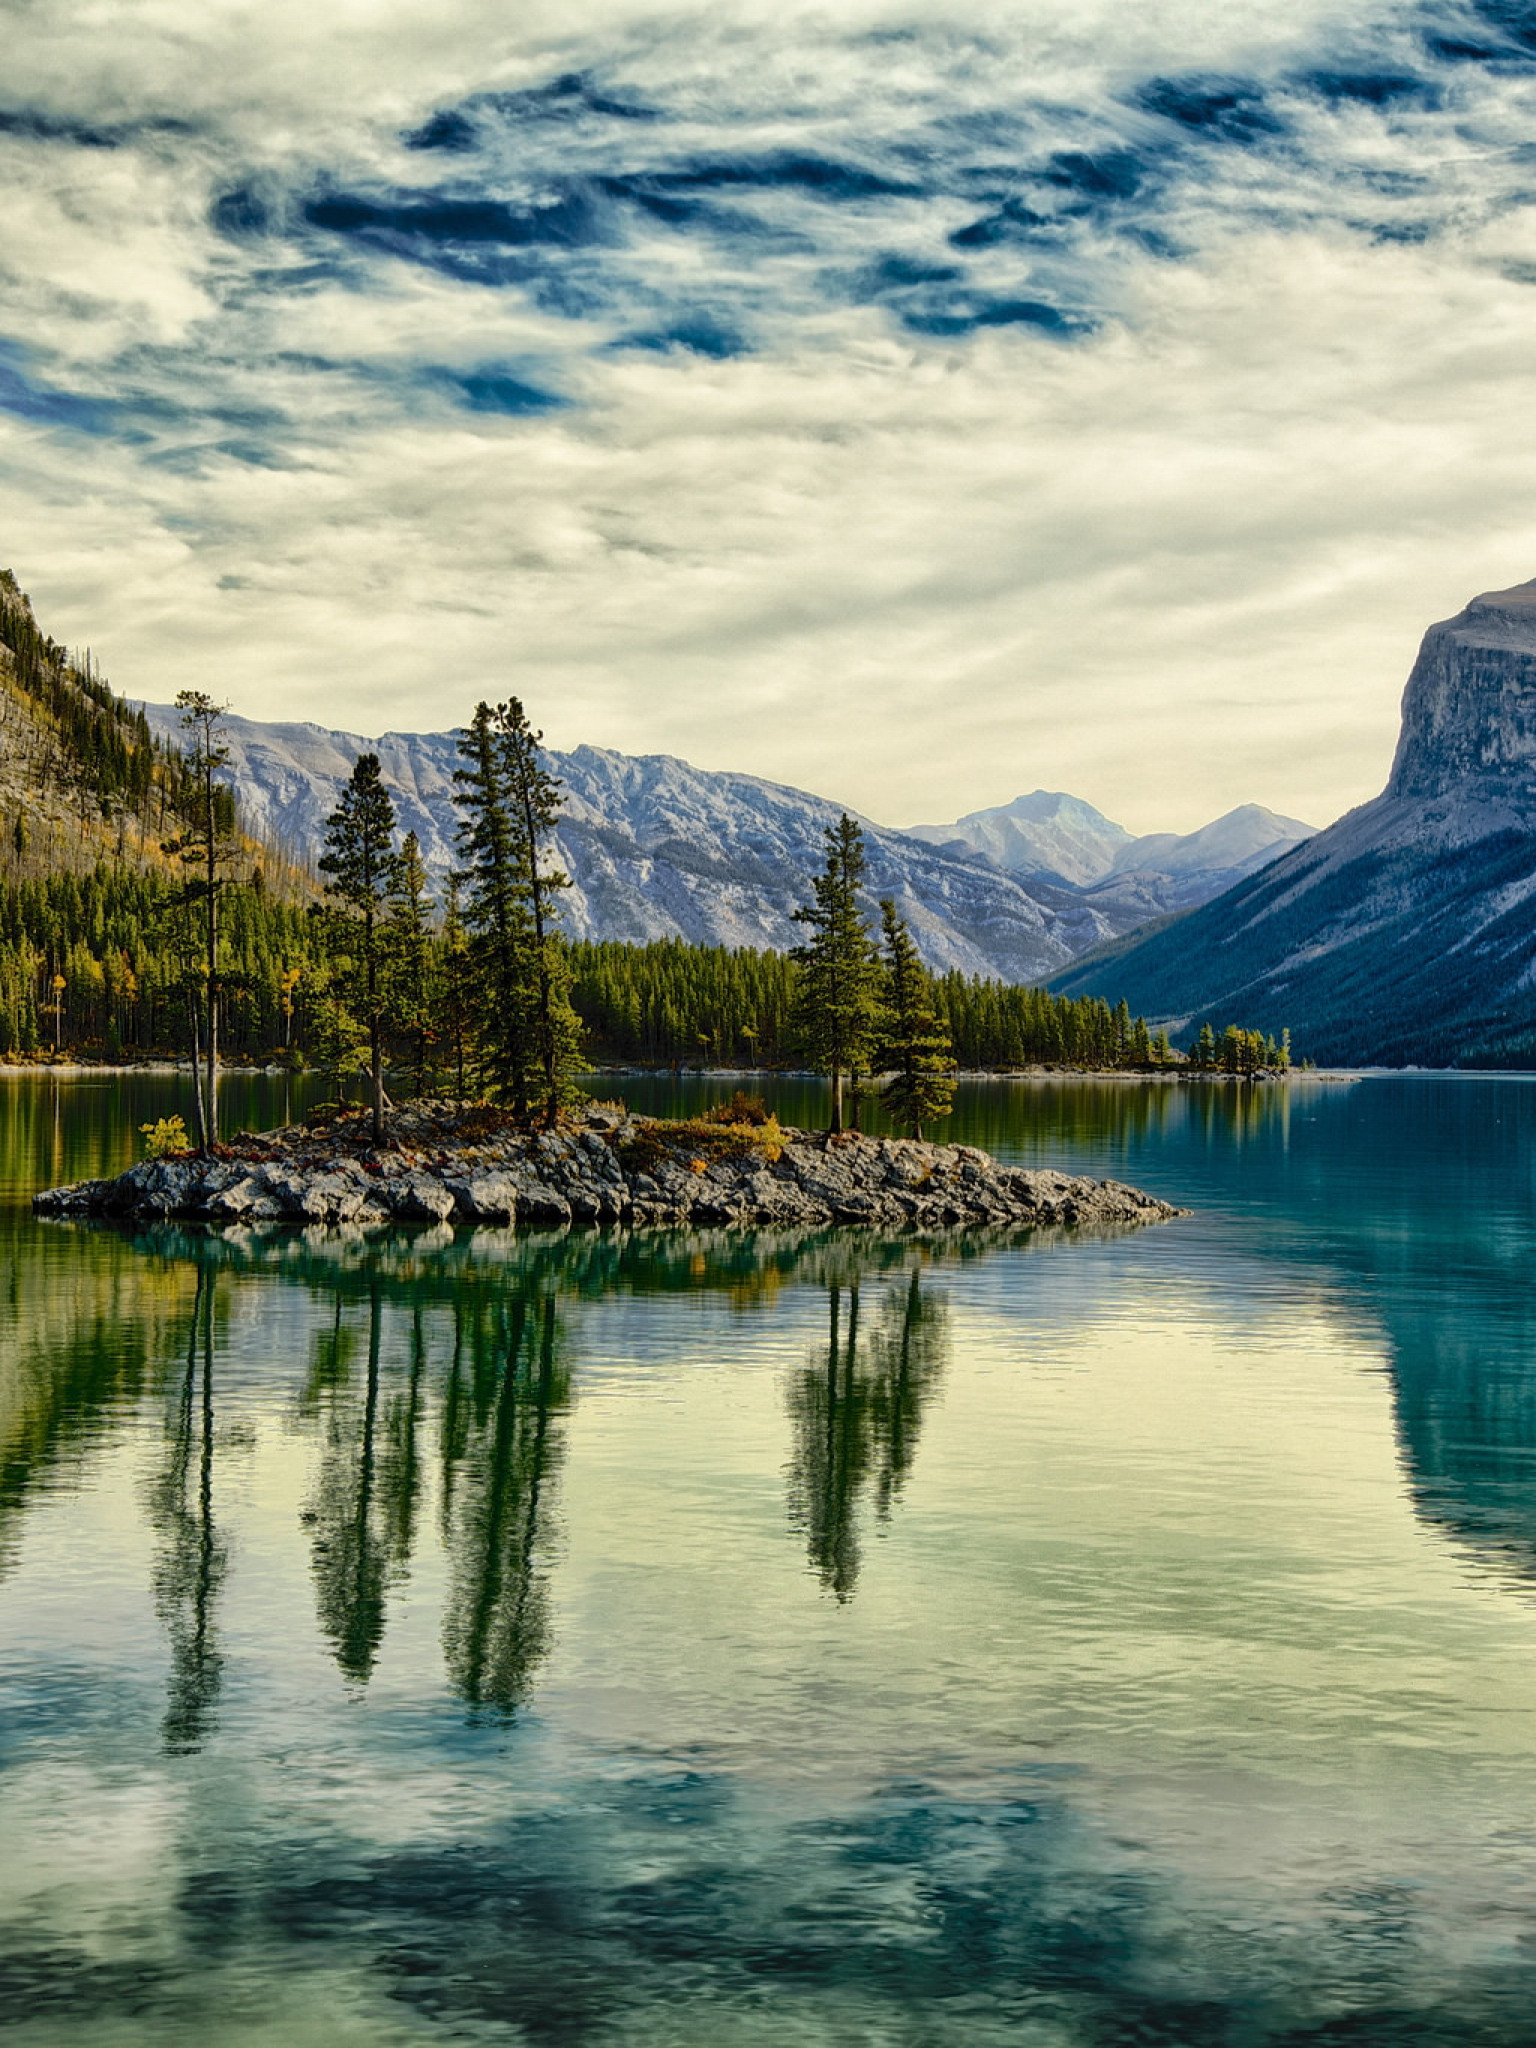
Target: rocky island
{"x":446,"y":1163}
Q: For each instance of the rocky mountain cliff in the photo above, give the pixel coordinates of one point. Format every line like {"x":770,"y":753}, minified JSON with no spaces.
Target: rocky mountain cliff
{"x":1405,"y":933}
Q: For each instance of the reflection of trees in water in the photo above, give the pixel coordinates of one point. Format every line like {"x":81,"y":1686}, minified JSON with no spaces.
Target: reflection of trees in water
{"x":193,"y":1558}
{"x":82,"y":1340}
{"x":502,"y":1446}
{"x":363,"y":1510}
{"x":857,"y":1408}
{"x":506,"y":1383}
{"x":471,"y":1326}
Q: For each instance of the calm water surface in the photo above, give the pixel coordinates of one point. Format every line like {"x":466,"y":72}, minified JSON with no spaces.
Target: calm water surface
{"x":1058,"y":1641}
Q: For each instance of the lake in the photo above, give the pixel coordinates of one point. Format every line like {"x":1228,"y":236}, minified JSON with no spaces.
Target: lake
{"x":1067,"y":1641}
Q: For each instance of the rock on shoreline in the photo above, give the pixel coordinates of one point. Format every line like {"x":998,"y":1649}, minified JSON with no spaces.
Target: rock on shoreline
{"x":449,"y":1165}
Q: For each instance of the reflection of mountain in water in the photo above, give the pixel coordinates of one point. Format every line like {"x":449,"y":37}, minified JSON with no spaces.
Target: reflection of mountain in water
{"x":857,"y":1406}
{"x":1465,"y":1398}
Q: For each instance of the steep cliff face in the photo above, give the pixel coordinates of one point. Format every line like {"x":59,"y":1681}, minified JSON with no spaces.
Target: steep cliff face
{"x":1405,"y":933}
{"x":1469,"y":711}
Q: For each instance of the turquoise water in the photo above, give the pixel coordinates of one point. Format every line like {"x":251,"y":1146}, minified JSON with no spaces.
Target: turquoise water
{"x":1043,"y":1640}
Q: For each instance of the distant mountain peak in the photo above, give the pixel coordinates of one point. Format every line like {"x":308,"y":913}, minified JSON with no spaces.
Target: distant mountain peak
{"x":1051,"y":833}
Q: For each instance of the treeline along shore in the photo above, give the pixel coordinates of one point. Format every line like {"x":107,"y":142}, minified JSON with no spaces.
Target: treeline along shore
{"x":99,"y":966}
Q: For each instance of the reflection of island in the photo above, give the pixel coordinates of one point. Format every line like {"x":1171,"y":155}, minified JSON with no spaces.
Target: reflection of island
{"x":502,"y":1446}
{"x":460,"y":1335}
{"x":193,"y":1558}
{"x":857,"y":1407}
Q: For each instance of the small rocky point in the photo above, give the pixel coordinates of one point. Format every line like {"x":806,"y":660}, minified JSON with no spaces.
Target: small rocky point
{"x":445,"y":1163}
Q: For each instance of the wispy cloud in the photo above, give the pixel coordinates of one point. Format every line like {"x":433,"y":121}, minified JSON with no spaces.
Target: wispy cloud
{"x":1131,"y":383}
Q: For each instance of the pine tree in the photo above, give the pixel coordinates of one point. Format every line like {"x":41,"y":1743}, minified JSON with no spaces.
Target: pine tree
{"x":838,"y":1004}
{"x":496,"y":911}
{"x":410,"y":945}
{"x":364,"y":869}
{"x":208,"y":827}
{"x":453,"y":1005}
{"x":913,"y":1041}
{"x":535,"y":799}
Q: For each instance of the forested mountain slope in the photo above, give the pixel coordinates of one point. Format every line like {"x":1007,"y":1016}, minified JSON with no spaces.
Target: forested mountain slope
{"x":1405,"y":933}
{"x":98,"y":939}
{"x":81,"y":776}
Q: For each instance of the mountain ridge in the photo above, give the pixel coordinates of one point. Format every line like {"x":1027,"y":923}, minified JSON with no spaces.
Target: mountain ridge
{"x":1049,"y":833}
{"x":658,"y":848}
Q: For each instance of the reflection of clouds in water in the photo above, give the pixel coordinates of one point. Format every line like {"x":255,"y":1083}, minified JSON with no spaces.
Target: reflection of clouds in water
{"x":922,"y":1913}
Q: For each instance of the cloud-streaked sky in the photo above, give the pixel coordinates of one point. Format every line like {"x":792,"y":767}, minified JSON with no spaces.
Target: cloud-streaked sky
{"x":917,"y":404}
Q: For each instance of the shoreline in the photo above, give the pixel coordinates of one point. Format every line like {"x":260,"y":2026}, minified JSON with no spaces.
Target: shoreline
{"x":444,"y":1164}
{"x":277,"y":1071}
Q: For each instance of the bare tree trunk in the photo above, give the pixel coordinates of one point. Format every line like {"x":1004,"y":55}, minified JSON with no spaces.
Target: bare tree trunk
{"x":212,"y":1118}
{"x":197,"y":1073}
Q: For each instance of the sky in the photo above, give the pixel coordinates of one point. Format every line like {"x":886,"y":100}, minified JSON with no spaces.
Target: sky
{"x":917,"y":404}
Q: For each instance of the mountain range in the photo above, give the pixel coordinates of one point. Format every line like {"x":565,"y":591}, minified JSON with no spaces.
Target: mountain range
{"x":659,"y":849}
{"x":1060,"y":838}
{"x":1406,"y":932}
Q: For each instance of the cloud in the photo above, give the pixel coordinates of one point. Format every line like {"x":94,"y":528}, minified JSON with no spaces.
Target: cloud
{"x":916,"y":409}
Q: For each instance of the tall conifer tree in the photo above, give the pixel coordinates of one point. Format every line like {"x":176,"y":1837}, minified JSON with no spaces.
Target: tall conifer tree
{"x":410,"y":949}
{"x":554,"y":1029}
{"x":838,"y":1005}
{"x":496,"y":912}
{"x":364,"y":869}
{"x":453,"y":998}
{"x":914,"y":1042}
{"x":208,"y":827}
